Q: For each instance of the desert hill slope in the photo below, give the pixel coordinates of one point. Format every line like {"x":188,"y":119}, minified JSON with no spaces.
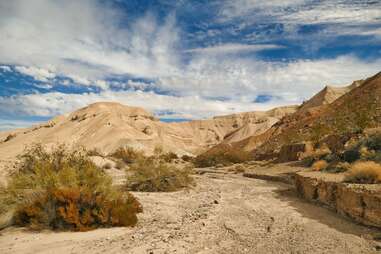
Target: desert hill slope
{"x":356,"y":110}
{"x":107,"y":126}
{"x":326,"y":108}
{"x":328,"y":95}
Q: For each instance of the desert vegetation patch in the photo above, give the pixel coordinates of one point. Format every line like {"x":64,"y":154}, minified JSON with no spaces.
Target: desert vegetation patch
{"x":151,"y":175}
{"x":63,"y":189}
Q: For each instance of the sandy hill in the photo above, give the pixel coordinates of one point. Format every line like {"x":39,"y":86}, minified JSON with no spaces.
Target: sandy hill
{"x":328,"y":95}
{"x":108,"y":126}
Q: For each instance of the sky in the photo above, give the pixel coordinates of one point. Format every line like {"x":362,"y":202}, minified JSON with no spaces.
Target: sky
{"x":180,"y":59}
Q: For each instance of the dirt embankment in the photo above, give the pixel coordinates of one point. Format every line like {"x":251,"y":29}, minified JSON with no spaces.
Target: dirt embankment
{"x":359,"y":202}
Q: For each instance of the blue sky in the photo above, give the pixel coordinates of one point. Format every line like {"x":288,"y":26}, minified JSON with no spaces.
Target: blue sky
{"x":181,"y":59}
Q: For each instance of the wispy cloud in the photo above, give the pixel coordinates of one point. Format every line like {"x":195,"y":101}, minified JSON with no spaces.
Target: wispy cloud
{"x":233,"y":48}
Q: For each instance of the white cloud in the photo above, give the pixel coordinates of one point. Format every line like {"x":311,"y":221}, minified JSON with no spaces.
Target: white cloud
{"x":194,"y":107}
{"x":239,"y":81}
{"x":6,"y":68}
{"x":79,"y":80}
{"x":340,"y":16}
{"x":84,"y":38}
{"x":232,"y":48}
{"x":244,"y":79}
{"x":39,"y":74}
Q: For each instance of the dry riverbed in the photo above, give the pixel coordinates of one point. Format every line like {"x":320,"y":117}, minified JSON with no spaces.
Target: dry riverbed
{"x":224,"y":213}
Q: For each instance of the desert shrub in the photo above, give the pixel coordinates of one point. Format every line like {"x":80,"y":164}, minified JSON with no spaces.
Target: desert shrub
{"x":186,"y":158}
{"x":149,"y":175}
{"x":107,"y":165}
{"x":77,"y":209}
{"x":320,"y":165}
{"x":373,"y":142}
{"x":331,"y":157}
{"x":365,"y":153}
{"x":239,"y":169}
{"x":9,"y":137}
{"x":168,"y":157}
{"x":310,"y":158}
{"x":65,"y":190}
{"x":127,"y":154}
{"x":120,"y":164}
{"x":221,"y":158}
{"x":367,"y":172}
{"x":351,"y":155}
{"x":158,"y":150}
{"x":338,"y":167}
{"x":308,"y":161}
{"x":95,"y":152}
{"x":376,"y":156}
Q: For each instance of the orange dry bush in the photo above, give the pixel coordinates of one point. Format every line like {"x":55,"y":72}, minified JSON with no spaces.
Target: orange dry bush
{"x":77,"y":210}
{"x":65,"y":190}
{"x":320,"y":165}
{"x":367,"y":172}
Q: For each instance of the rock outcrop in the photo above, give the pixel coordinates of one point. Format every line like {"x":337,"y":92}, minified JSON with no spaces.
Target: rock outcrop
{"x":361,"y":203}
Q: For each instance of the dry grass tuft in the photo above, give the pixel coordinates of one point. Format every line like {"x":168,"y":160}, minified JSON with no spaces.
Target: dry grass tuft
{"x":367,"y":172}
{"x":320,"y":165}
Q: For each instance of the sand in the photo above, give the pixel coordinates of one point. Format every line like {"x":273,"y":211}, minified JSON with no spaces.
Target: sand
{"x":224,"y":213}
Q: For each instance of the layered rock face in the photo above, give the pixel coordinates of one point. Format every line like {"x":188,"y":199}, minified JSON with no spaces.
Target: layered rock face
{"x":359,"y":202}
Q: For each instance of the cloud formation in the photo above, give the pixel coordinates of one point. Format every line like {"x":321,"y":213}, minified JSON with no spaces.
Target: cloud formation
{"x":86,"y":51}
{"x":84,"y":38}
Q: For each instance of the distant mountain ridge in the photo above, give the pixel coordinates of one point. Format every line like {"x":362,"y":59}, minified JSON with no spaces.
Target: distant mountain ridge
{"x":107,"y":126}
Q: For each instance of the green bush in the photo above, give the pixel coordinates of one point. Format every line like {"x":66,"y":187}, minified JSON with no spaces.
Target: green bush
{"x":149,"y":175}
{"x":65,"y":190}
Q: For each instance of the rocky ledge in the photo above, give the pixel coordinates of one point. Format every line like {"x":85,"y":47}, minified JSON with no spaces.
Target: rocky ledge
{"x":360,"y":202}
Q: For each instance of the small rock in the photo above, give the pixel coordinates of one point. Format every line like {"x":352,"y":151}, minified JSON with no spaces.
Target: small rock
{"x":215,"y":202}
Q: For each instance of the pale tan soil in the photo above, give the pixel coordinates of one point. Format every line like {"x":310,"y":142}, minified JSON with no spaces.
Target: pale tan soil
{"x":225,"y":213}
